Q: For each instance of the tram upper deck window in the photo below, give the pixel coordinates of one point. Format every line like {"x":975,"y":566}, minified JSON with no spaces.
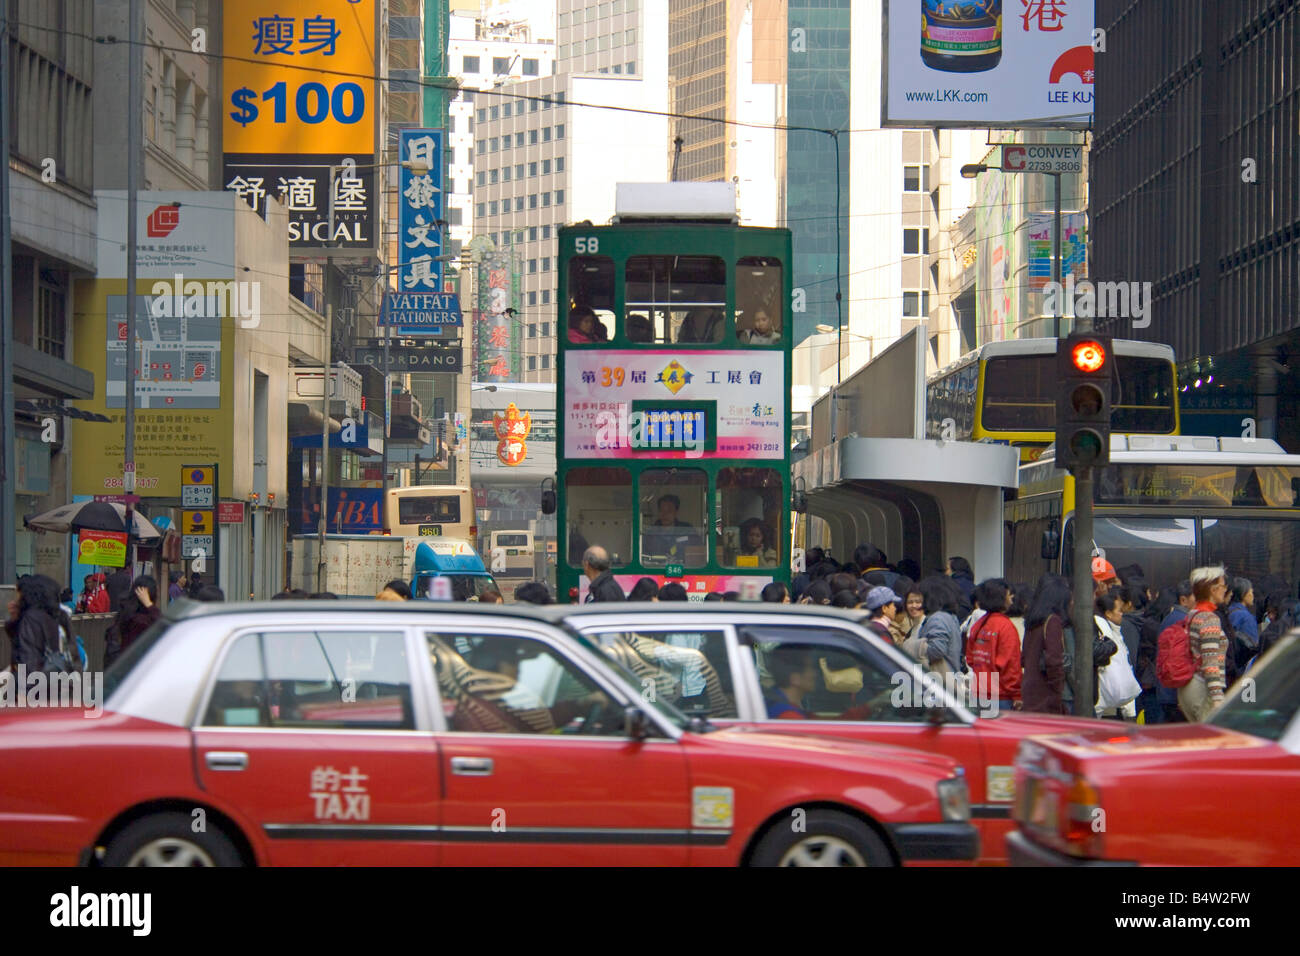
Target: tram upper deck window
{"x":674,"y":299}
{"x":599,"y":511}
{"x":758,"y":301}
{"x":590,"y":319}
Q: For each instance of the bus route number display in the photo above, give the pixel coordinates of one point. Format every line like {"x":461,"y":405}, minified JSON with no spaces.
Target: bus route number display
{"x":430,"y":531}
{"x":669,"y":427}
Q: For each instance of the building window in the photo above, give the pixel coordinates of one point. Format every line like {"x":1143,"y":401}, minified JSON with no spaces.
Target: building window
{"x":519,"y":204}
{"x":532,"y":329}
{"x":51,"y":326}
{"x":482,"y":118}
{"x":493,"y":237}
{"x":532,"y":267}
{"x":559,"y":197}
{"x":455,"y":216}
{"x":496,"y":112}
{"x":519,"y":171}
{"x":481,"y":180}
{"x":916,"y":179}
{"x":479,"y":211}
{"x":532,"y":137}
{"x":482,"y":146}
{"x":559,"y":131}
{"x":618,"y":68}
{"x":629,"y":37}
{"x":468,"y":64}
{"x":546,"y":199}
{"x":546,"y":166}
{"x":546,"y":300}
{"x":916,"y":304}
{"x":533,"y":106}
{"x":493,"y":177}
{"x":519,"y":236}
{"x":519,"y":140}
{"x":631,"y":67}
{"x":505,"y":174}
{"x":530,"y":68}
{"x":505,"y":238}
{"x":546,"y":263}
{"x":492,"y":211}
{"x":916,"y":242}
{"x":546,"y":232}
{"x":618,"y":7}
{"x":532,"y":200}
{"x":559,"y":164}
{"x":546,"y":134}
{"x":532,"y":363}
{"x":546,"y":361}
{"x":493,"y":144}
{"x":532,"y":233}
{"x":500,"y":65}
{"x":562,"y":21}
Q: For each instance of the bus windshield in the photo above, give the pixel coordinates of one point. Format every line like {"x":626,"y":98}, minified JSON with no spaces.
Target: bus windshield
{"x":1020,"y":394}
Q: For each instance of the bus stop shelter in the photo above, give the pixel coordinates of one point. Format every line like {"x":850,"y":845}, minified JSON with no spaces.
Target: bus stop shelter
{"x":912,"y":498}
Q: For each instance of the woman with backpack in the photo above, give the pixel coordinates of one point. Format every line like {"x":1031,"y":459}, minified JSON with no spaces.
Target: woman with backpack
{"x":1207,"y":645}
{"x":37,"y":625}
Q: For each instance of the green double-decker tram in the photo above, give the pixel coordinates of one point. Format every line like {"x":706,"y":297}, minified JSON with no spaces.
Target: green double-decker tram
{"x":673,"y":395}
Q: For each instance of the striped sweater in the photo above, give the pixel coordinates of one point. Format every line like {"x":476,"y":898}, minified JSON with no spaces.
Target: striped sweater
{"x":1208,"y":644}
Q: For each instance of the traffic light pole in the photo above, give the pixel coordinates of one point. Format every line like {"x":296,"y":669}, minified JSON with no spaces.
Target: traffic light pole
{"x":1082,"y":617}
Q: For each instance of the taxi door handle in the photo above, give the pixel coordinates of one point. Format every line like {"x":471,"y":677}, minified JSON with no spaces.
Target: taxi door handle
{"x":226,"y":760}
{"x":471,"y":766}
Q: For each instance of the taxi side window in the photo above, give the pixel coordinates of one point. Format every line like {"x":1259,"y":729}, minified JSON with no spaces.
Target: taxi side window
{"x":687,"y":668}
{"x":310,"y":679}
{"x":505,"y":684}
{"x":826,"y":674}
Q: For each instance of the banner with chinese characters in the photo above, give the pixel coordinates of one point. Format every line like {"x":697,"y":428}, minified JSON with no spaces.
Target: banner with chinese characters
{"x":419,"y":211}
{"x":512,"y":429}
{"x":497,"y":339}
{"x":301,"y":95}
{"x":602,"y":388}
{"x":104,"y":548}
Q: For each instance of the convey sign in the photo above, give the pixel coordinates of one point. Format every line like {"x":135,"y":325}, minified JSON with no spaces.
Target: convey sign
{"x":1042,"y":158}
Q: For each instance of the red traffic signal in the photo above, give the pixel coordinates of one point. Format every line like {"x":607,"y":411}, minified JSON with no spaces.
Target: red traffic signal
{"x":1088,"y":356}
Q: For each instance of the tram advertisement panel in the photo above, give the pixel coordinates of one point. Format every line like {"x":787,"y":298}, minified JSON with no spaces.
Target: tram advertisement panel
{"x":665,"y":402}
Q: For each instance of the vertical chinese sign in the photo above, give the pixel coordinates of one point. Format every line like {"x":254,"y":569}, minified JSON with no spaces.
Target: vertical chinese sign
{"x":300,"y":97}
{"x":420,"y":211}
{"x":496,"y":328}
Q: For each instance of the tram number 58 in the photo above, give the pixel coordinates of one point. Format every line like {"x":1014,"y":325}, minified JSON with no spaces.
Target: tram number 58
{"x":587,"y":244}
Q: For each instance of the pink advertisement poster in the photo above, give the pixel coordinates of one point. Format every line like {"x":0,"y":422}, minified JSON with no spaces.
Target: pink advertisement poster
{"x":749,"y":587}
{"x":747,"y":386}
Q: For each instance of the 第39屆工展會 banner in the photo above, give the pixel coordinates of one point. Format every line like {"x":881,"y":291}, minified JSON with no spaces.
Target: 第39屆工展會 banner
{"x":988,"y":63}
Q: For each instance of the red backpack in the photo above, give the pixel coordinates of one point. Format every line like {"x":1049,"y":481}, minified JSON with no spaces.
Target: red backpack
{"x":1175,"y":664}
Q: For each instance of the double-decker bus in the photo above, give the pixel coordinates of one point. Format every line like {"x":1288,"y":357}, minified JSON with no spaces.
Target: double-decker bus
{"x":1006,"y":392}
{"x":1169,"y":504}
{"x":431,"y":511}
{"x":673,"y":402}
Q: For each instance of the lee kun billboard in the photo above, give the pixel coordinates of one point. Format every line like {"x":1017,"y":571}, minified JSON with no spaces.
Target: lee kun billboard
{"x":956,"y":63}
{"x":296,"y":73}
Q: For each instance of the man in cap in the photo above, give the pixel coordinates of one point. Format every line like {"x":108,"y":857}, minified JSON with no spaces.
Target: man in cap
{"x":1103,"y":575}
{"x":882,"y":604}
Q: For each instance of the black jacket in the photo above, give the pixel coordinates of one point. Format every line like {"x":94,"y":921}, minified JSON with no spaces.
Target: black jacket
{"x":605,"y":588}
{"x":119,"y":589}
{"x":130,"y":624}
{"x":31,"y":634}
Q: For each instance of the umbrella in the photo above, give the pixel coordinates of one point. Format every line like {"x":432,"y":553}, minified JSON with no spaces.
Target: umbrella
{"x":93,"y":516}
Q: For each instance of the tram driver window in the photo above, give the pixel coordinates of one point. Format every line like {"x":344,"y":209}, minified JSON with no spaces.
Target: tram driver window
{"x":674,"y":511}
{"x":674,"y":299}
{"x":758,"y":301}
{"x":590,"y":318}
{"x":599,"y":511}
{"x":749,"y":516}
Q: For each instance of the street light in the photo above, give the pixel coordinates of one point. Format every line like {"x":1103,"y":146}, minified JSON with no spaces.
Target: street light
{"x":971,"y":170}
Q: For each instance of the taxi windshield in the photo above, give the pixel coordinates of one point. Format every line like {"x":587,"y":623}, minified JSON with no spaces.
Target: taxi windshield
{"x":1275,"y":694}
{"x":637,"y":686}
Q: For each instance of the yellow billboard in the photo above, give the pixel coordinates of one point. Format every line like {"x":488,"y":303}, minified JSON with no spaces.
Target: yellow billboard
{"x":300,"y":76}
{"x":184,"y":392}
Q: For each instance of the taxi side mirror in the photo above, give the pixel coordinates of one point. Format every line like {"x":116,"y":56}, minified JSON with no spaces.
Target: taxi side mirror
{"x":635,"y":722}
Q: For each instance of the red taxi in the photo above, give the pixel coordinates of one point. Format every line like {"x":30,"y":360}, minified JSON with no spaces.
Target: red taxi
{"x":376,"y":733}
{"x":715,"y":661}
{"x":1218,"y":793}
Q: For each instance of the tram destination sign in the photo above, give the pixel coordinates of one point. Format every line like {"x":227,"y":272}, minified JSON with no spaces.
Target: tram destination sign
{"x":421,"y":313}
{"x":407,"y":358}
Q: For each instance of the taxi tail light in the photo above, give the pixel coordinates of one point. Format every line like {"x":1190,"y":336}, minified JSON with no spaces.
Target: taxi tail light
{"x":1082,"y":824}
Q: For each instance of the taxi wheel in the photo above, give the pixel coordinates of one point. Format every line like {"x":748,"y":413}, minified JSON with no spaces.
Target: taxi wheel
{"x":827,"y":839}
{"x":169,"y":840}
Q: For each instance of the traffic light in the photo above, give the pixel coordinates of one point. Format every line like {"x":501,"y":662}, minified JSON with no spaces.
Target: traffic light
{"x":1085,"y":365}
